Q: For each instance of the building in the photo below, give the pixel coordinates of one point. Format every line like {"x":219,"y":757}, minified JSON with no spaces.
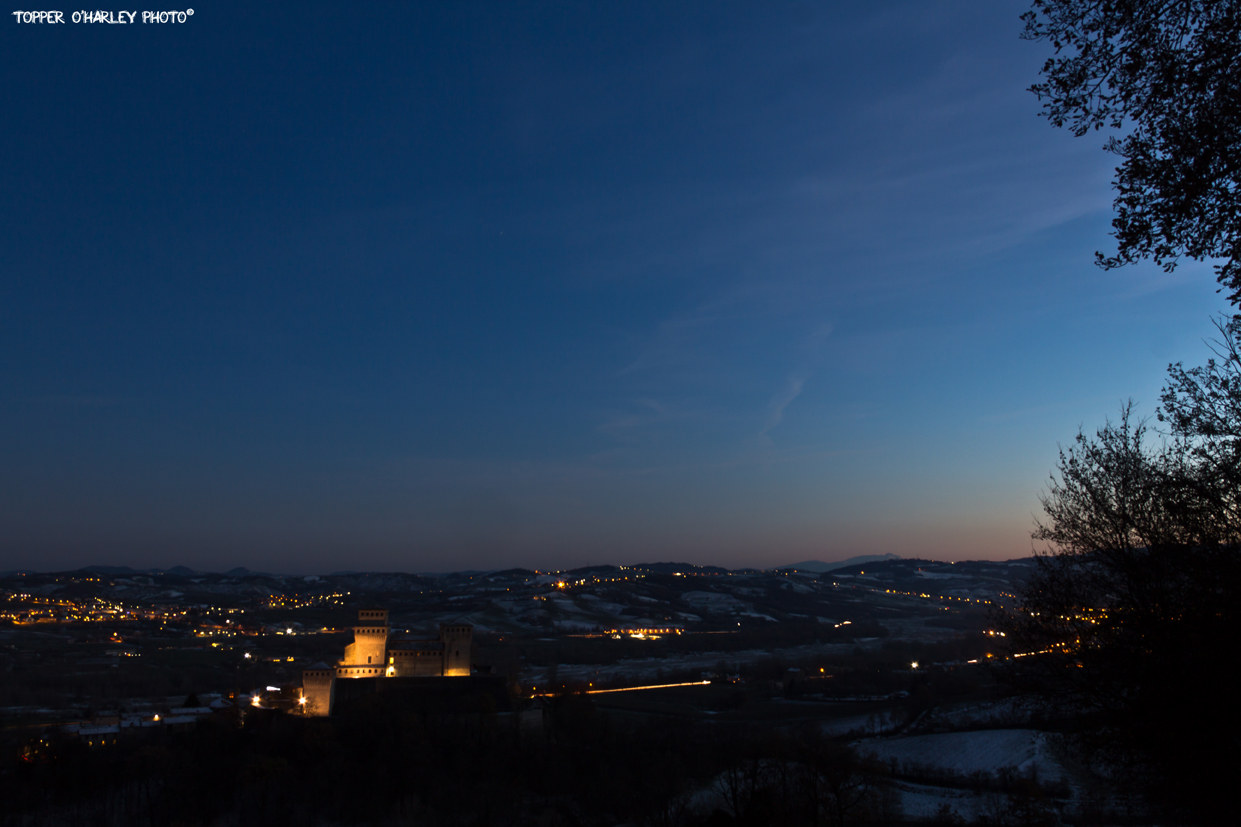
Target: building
{"x":375,"y":653}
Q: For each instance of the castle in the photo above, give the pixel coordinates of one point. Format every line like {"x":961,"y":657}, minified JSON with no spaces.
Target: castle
{"x":375,"y":653}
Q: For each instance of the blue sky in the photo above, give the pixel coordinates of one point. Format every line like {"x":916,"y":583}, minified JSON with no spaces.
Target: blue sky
{"x":464,"y":285}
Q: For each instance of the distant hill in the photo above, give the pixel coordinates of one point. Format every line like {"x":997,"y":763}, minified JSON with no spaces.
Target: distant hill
{"x":111,"y":570}
{"x":673,"y":568}
{"x":821,"y":566}
{"x":175,"y":571}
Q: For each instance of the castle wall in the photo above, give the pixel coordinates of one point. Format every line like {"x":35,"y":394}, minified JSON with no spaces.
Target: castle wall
{"x":458,"y":639}
{"x":369,"y":647}
{"x":416,"y":663}
{"x":364,"y":671}
{"x":477,"y":694}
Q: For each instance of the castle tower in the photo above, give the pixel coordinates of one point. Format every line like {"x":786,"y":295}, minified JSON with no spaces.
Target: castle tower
{"x":457,"y":639}
{"x":318,"y":683}
{"x":370,"y":641}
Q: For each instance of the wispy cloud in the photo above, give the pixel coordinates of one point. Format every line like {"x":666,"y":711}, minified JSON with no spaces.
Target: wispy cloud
{"x":83,"y":400}
{"x":646,"y":412}
{"x":791,"y":390}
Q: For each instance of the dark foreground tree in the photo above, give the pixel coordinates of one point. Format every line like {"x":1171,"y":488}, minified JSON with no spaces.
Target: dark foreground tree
{"x":1168,"y":73}
{"x":1130,"y":625}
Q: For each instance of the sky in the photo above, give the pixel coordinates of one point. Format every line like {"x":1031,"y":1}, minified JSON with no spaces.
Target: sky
{"x":441,"y":286}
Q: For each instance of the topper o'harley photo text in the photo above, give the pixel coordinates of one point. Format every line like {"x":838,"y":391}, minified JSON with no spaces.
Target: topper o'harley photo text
{"x":109,"y":17}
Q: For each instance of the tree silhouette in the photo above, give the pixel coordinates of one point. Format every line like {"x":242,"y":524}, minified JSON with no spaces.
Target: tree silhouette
{"x":1169,"y":75}
{"x":1129,"y":623}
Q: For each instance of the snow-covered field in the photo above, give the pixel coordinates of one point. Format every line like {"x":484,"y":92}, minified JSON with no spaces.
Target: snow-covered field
{"x":968,"y":752}
{"x":921,"y":801}
{"x":1023,"y":750}
{"x":1011,"y":713}
{"x":859,"y":723}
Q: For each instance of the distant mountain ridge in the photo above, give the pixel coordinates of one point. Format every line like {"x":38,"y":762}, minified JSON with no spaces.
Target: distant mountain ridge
{"x":816,"y":566}
{"x":179,"y":571}
{"x":821,"y":566}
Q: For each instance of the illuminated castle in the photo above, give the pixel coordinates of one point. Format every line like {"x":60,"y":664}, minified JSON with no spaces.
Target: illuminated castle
{"x":374,"y":653}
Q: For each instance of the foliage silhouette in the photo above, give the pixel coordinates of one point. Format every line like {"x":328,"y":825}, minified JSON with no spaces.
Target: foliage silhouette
{"x":1169,"y":75}
{"x":1129,"y":622}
